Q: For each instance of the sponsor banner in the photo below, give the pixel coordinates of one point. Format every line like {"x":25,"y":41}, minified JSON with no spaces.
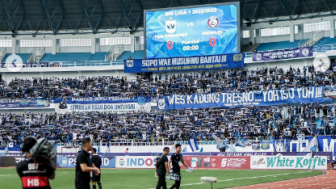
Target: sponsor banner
{"x":259,"y":98}
{"x":19,"y":103}
{"x":283,"y":54}
{"x":69,"y":161}
{"x":106,"y":104}
{"x":256,"y":145}
{"x":289,"y":162}
{"x":242,"y":153}
{"x":265,"y":145}
{"x":184,"y":63}
{"x":142,"y":162}
{"x":216,"y":162}
{"x":210,"y":162}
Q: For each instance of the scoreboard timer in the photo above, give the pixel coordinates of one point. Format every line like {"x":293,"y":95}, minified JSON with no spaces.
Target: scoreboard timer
{"x":192,"y":31}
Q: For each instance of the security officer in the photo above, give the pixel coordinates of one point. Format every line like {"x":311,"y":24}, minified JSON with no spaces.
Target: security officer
{"x":83,"y":166}
{"x":161,"y":168}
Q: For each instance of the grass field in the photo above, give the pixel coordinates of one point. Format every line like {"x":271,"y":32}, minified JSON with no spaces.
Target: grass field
{"x":144,"y":178}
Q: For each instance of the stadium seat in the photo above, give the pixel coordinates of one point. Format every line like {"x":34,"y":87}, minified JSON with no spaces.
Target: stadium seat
{"x":48,"y":57}
{"x":135,"y":55}
{"x":278,"y":45}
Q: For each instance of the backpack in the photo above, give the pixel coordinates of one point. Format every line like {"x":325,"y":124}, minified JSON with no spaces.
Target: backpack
{"x":158,"y":160}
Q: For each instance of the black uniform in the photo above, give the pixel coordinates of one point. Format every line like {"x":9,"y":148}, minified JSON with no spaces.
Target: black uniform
{"x":34,"y":174}
{"x":161,"y":172}
{"x":82,"y":180}
{"x":176,"y":159}
{"x":96,"y":160}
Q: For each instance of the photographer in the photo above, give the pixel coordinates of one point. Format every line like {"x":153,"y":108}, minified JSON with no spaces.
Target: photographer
{"x":36,"y":170}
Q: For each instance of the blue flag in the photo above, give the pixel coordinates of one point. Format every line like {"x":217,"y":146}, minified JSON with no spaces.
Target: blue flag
{"x":193,"y":144}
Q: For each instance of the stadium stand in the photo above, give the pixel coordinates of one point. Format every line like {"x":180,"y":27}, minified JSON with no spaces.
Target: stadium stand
{"x":234,"y":123}
{"x":278,"y":45}
{"x":48,"y":57}
{"x":24,"y":56}
{"x":159,"y":85}
{"x":326,"y":40}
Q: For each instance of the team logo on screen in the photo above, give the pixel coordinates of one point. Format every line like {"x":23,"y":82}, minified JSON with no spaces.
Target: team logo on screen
{"x":129,"y":63}
{"x":170,"y":26}
{"x":213,"y":22}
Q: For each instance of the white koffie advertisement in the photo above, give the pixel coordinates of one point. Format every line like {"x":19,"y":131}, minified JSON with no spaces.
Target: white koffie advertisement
{"x":289,"y":162}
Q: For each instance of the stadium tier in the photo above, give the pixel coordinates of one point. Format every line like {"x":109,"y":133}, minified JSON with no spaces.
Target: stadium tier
{"x":237,"y":80}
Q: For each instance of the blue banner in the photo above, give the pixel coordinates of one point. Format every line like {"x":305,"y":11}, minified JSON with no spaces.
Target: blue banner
{"x":283,"y":54}
{"x":250,"y":98}
{"x":19,"y":103}
{"x":184,"y":63}
{"x":69,"y":161}
{"x":104,"y":100}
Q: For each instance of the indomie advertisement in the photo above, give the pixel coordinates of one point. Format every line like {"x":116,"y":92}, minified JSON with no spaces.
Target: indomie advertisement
{"x":289,"y":162}
{"x":135,"y":162}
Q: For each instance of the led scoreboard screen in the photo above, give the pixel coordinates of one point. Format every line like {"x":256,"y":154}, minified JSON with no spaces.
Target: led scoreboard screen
{"x":196,"y":31}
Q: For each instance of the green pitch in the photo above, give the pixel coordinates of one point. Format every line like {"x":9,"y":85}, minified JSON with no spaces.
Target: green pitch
{"x":144,"y":178}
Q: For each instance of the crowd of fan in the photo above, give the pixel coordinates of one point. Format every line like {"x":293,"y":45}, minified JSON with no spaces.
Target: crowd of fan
{"x":178,"y":125}
{"x":237,"y":80}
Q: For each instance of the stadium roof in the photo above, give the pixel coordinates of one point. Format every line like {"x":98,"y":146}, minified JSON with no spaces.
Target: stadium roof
{"x":96,"y":15}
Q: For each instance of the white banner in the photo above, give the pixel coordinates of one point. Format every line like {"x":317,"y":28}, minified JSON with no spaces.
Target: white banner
{"x":112,"y":107}
{"x":143,"y":162}
{"x":289,"y":162}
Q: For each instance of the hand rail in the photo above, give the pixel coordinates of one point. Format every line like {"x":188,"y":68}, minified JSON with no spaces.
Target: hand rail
{"x":109,"y":54}
{"x":31,"y":55}
{"x":2,"y":54}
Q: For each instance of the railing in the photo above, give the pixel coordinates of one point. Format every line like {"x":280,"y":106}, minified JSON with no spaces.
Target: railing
{"x":109,"y":54}
{"x":139,"y":142}
{"x":91,"y":63}
{"x":2,"y":54}
{"x":306,"y":38}
{"x":36,"y":55}
{"x":114,"y":52}
{"x":311,"y":39}
{"x":119,"y":52}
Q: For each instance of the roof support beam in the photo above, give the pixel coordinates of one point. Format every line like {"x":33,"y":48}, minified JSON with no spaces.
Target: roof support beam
{"x":46,"y":11}
{"x":49,"y":16}
{"x":119,"y":18}
{"x":10,"y":16}
{"x":263,"y":6}
{"x":124,"y":12}
{"x":282,"y":2}
{"x":256,"y":11}
{"x":86,"y":14}
{"x":327,"y":5}
{"x":159,"y":3}
{"x":137,"y":22}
